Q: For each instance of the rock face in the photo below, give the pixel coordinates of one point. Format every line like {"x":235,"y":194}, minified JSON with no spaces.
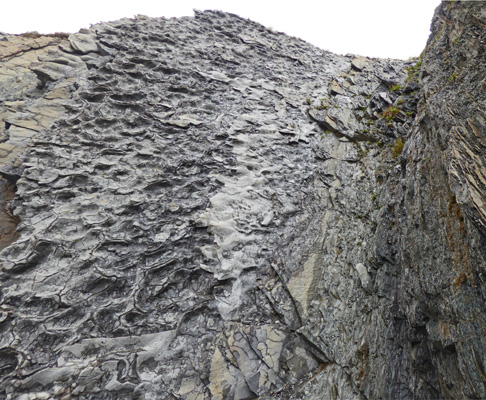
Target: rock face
{"x":202,"y":208}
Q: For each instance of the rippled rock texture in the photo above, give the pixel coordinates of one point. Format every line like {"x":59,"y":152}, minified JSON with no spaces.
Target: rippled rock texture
{"x":208,"y":209}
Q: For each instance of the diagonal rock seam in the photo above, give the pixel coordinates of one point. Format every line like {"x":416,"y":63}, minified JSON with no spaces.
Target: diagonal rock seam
{"x":204,"y":208}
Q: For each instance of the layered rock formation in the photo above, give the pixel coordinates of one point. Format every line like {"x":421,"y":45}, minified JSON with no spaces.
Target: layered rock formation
{"x":210,"y":209}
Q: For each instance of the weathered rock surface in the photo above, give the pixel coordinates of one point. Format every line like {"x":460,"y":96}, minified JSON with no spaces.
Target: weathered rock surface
{"x":210,"y":209}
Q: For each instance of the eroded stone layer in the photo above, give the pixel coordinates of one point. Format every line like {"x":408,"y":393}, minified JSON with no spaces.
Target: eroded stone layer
{"x":210,"y":209}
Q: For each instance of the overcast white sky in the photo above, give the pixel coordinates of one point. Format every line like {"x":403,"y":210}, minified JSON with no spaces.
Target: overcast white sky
{"x":376,"y":28}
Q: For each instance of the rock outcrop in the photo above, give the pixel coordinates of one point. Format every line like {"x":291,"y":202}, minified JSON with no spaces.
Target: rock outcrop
{"x":202,"y":208}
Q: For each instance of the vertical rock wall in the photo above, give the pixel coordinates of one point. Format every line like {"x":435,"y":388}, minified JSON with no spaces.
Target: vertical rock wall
{"x":443,"y":232}
{"x":210,"y":209}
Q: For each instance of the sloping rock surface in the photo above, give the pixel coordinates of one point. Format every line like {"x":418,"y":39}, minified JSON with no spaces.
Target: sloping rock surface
{"x":210,"y":209}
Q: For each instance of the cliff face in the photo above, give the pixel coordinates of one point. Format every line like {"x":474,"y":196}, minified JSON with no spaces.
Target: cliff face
{"x":210,"y":209}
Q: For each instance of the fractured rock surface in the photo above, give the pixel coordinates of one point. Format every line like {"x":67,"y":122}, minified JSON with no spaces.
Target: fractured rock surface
{"x":210,"y":209}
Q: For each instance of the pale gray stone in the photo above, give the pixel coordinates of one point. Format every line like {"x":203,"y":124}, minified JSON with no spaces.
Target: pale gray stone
{"x":209,"y":209}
